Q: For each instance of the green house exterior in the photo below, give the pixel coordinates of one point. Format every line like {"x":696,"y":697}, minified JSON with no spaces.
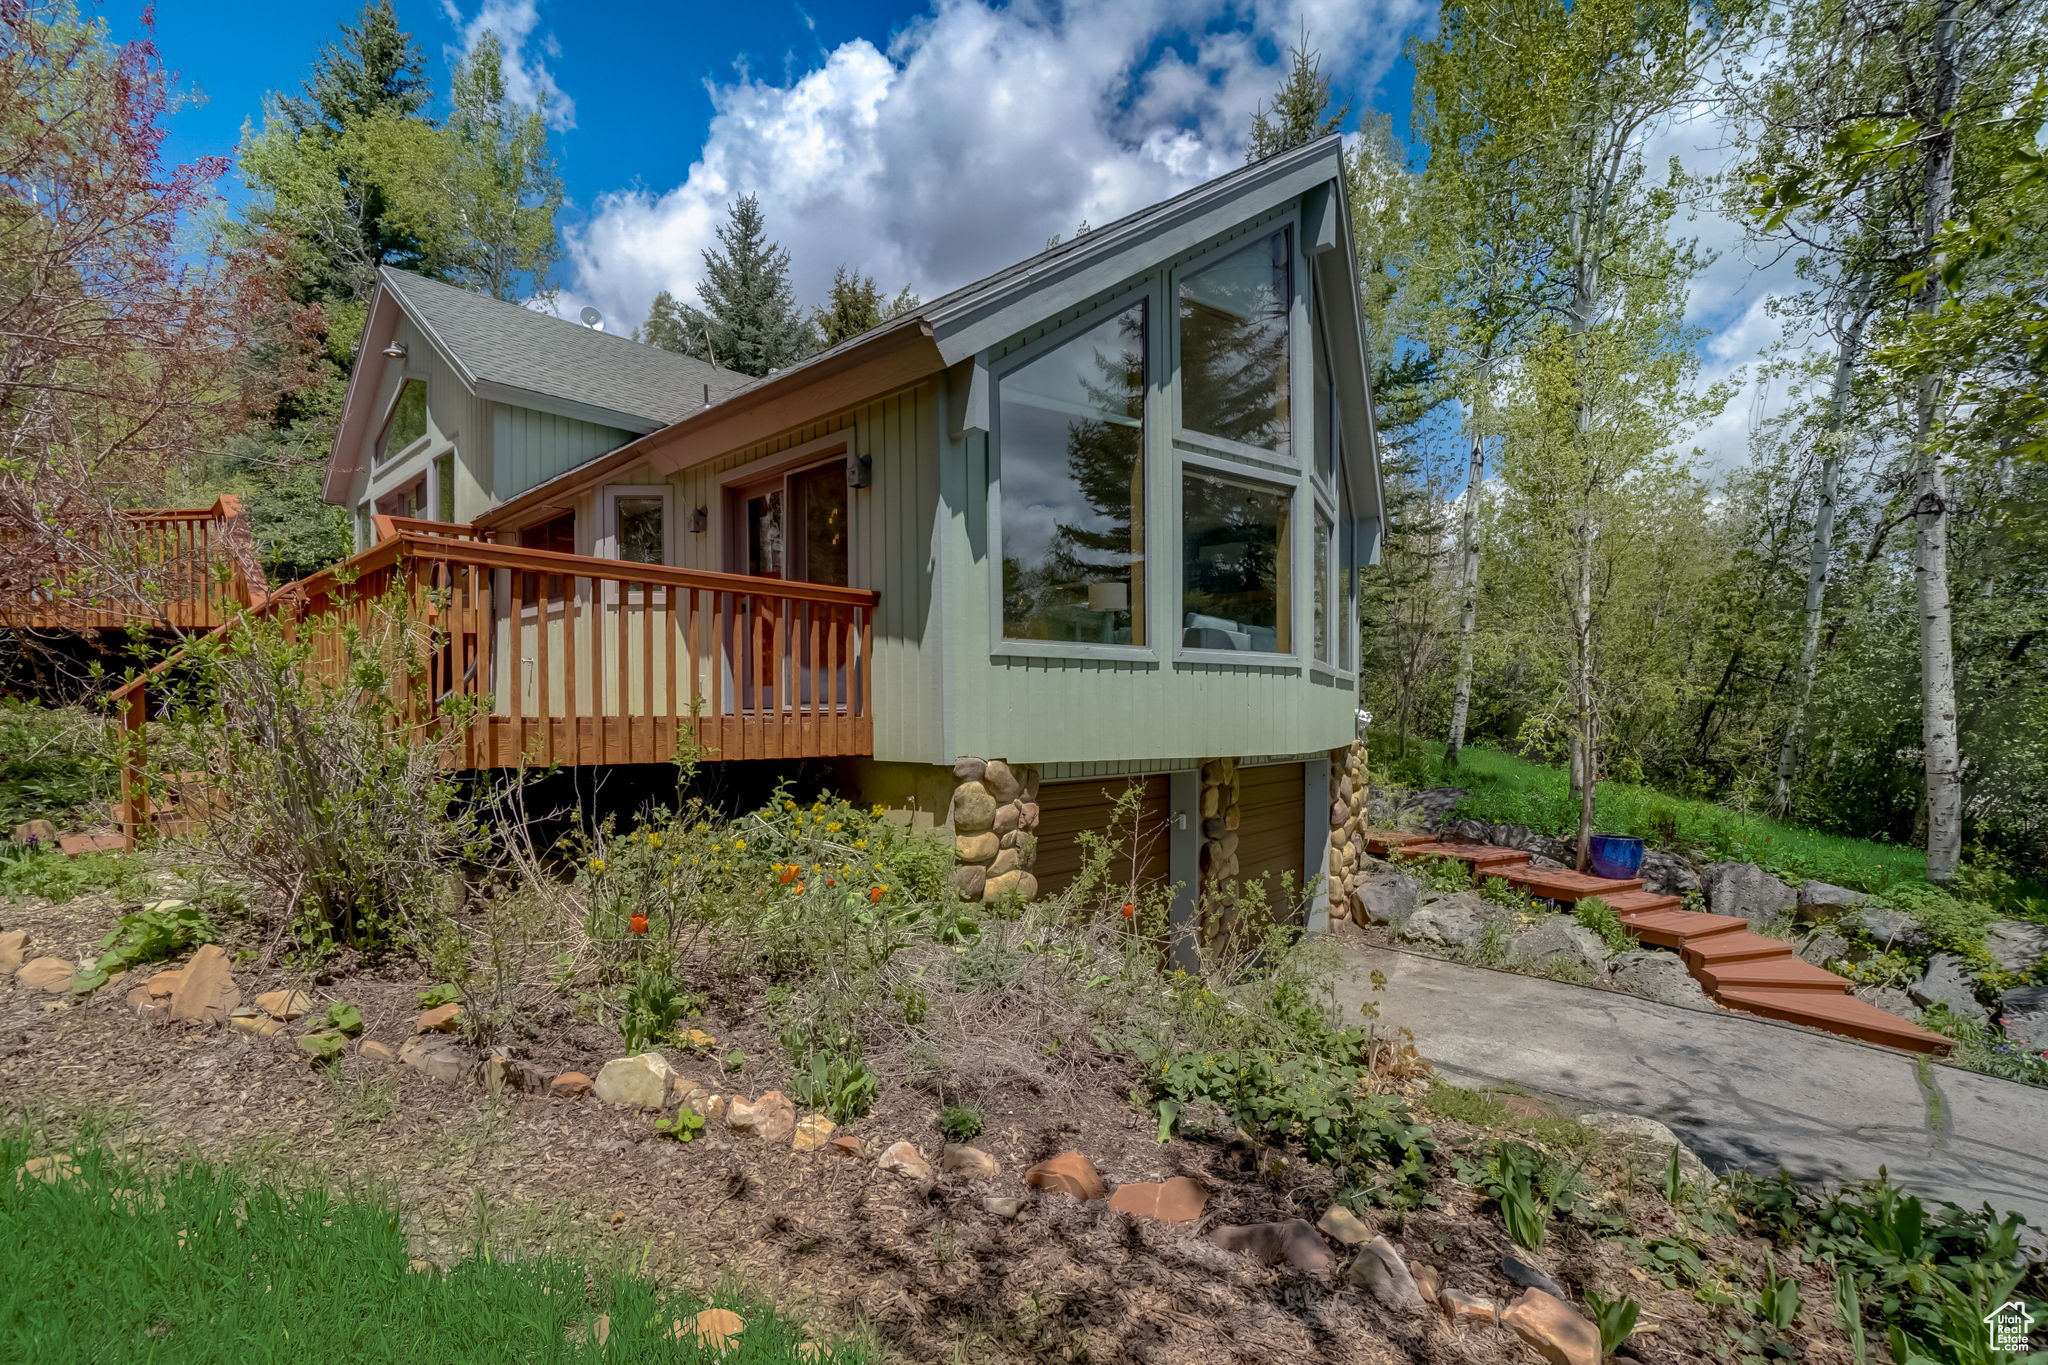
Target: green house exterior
{"x":1113,"y":500}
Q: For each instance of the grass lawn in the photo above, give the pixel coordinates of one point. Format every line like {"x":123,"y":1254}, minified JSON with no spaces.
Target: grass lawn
{"x":202,"y":1265}
{"x":1512,"y":790}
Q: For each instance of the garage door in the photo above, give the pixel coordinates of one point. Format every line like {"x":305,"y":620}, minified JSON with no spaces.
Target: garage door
{"x":1065,"y":809}
{"x":1271,"y":814}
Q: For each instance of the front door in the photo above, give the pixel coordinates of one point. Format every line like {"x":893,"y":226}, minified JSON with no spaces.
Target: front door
{"x":793,"y":526}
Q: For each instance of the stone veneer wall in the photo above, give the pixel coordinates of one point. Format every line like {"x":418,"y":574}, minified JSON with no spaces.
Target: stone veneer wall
{"x":993,"y":813}
{"x":1347,"y":826}
{"x":1220,"y":819}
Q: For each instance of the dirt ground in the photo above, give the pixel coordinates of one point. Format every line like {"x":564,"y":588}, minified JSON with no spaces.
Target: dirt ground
{"x":832,"y":1239}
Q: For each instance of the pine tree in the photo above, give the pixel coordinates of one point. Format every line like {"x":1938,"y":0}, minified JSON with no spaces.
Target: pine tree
{"x":1300,"y":112}
{"x":856,"y":305}
{"x":375,"y":68}
{"x":501,"y":190}
{"x":749,"y":321}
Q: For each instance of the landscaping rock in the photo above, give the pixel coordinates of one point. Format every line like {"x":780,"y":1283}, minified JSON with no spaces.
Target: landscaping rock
{"x":255,"y":1023}
{"x":1453,"y":922}
{"x":715,"y":1328}
{"x":976,"y":848}
{"x":1435,"y":802}
{"x":903,"y":1159}
{"x":811,"y":1133}
{"x":569,"y":1084}
{"x":2024,"y":1012}
{"x":205,"y":992}
{"x":1174,"y":1200}
{"x":772,"y":1118}
{"x":51,"y":974}
{"x":502,"y":1072}
{"x":1747,"y":891}
{"x":1529,"y":841}
{"x":2013,"y":944}
{"x":284,"y":1005}
{"x":1428,"y":1282}
{"x":1529,"y":1277}
{"x":13,"y":951}
{"x":846,"y":1146}
{"x":1648,"y":1143}
{"x":1068,"y":1173}
{"x":1661,"y":977}
{"x":1890,"y":999}
{"x":1340,"y":1224}
{"x":1887,"y":928}
{"x":968,"y":1161}
{"x":968,"y":882}
{"x":376,"y":1052}
{"x":1667,"y":873}
{"x":967,"y":769}
{"x":1553,"y":1329}
{"x":1381,"y":1272}
{"x":439,"y":1056}
{"x":1293,"y":1243}
{"x":440,"y":1019}
{"x":1826,"y":901}
{"x":641,"y":1081}
{"x":1560,"y":936}
{"x":41,"y":833}
{"x":1824,"y":946}
{"x":1384,"y":896}
{"x":1946,"y":984}
{"x":1003,"y":1205}
{"x":1459,"y":1306}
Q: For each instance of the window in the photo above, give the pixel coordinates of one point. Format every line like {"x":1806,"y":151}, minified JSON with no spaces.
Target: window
{"x":444,"y":486}
{"x":1347,"y":575}
{"x":638,"y":525}
{"x":1071,"y":460}
{"x":1234,"y":565}
{"x":795,"y":524}
{"x":1234,"y":339}
{"x":1322,"y":586}
{"x":557,"y":533}
{"x":407,"y":422}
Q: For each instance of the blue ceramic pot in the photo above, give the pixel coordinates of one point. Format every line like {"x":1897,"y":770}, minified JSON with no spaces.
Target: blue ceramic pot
{"x":1616,"y":856}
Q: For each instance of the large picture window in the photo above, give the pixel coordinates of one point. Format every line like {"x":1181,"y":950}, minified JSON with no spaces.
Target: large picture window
{"x":1234,"y":567}
{"x":1071,"y":459}
{"x":408,"y":420}
{"x":1234,"y":339}
{"x":1321,"y":614}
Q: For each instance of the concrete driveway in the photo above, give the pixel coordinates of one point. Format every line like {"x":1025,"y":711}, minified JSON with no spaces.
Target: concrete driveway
{"x":1745,"y":1093}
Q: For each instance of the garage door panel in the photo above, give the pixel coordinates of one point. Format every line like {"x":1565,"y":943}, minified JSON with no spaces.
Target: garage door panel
{"x":1068,"y":809}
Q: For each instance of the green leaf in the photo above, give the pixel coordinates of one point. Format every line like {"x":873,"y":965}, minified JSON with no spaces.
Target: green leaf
{"x":323,"y":1047}
{"x":344,"y":1019}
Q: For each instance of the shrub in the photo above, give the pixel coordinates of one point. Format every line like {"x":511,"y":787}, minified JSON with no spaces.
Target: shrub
{"x":960,"y":1123}
{"x":1599,"y":916}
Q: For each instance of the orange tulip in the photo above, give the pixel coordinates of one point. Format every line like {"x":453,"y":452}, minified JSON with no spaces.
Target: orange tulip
{"x":638,"y":923}
{"x":1129,"y":910}
{"x":875,"y":895}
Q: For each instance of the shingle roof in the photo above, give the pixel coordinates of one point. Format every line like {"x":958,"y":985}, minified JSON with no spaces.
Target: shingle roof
{"x":505,"y":343}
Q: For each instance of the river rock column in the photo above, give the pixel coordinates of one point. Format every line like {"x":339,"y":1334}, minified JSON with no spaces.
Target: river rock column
{"x":994,"y":815}
{"x":1347,"y":825}
{"x":1220,"y":819}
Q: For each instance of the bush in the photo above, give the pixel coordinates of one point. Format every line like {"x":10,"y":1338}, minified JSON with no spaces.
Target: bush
{"x":51,"y":876}
{"x":960,"y":1123}
{"x":1599,"y":916}
{"x":56,"y":764}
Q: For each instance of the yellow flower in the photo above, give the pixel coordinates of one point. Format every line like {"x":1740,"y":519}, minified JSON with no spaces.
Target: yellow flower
{"x":654,"y":839}
{"x":790,"y":805}
{"x":597,"y":864}
{"x":860,"y":843}
{"x":878,"y":809}
{"x":739,"y":845}
{"x":834,"y":827}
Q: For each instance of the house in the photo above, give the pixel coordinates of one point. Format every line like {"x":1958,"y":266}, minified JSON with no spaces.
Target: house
{"x":1093,"y":520}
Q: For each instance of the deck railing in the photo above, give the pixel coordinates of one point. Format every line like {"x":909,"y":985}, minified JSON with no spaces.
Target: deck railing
{"x":181,"y":568}
{"x":578,"y":660}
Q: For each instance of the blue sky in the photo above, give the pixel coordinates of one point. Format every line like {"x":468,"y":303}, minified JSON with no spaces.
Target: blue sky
{"x":925,"y":142}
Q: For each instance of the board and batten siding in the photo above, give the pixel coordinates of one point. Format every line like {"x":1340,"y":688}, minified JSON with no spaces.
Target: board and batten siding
{"x":529,"y":447}
{"x":455,"y":417}
{"x":891,"y":552}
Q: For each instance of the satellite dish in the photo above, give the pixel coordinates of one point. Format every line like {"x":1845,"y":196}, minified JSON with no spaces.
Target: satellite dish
{"x":592,"y":318}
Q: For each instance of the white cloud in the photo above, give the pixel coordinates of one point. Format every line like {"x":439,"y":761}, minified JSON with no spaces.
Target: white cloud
{"x":527,"y":78}
{"x":978,"y":133}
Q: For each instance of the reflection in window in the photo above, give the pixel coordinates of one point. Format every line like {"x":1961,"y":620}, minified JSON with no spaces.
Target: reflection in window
{"x":444,"y":486}
{"x":1233,"y":346}
{"x":1234,"y":567}
{"x":1322,"y":587}
{"x":639,"y":530}
{"x":1347,"y":574}
{"x":408,"y":420}
{"x":1072,"y":465}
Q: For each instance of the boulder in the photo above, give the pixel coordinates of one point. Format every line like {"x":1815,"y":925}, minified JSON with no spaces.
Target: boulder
{"x":1826,"y":901}
{"x":969,"y":1161}
{"x":973,"y":810}
{"x":1068,"y":1173}
{"x":2013,"y":944}
{"x":1946,"y":984}
{"x":812,"y":1132}
{"x":1340,"y":1224}
{"x":205,"y":993}
{"x":1553,"y":1329}
{"x":1471,"y":831}
{"x":1381,"y":895}
{"x":1560,"y":936}
{"x":1002,"y":781}
{"x":2024,"y":1012}
{"x":13,"y":951}
{"x":439,"y":1056}
{"x":969,"y":881}
{"x":1667,"y":873}
{"x":1890,"y":999}
{"x":1887,"y":928}
{"x":1648,"y":1143}
{"x":902,"y":1159}
{"x":1381,"y":1272}
{"x":1452,"y":922}
{"x":976,"y":848}
{"x":1747,"y":891}
{"x":641,"y":1081}
{"x":1823,"y":946}
{"x":1293,"y":1243}
{"x":1435,"y":803}
{"x":51,"y":974}
{"x":772,"y":1118}
{"x":1661,"y":977}
{"x":284,"y":1005}
{"x":37,"y":833}
{"x":570,"y":1084}
{"x":1174,"y":1200}
{"x":966,"y":769}
{"x":1529,"y":1277}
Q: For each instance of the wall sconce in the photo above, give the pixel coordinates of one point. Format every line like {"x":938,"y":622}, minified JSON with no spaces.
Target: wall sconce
{"x":396,"y":350}
{"x":699,"y":519}
{"x":860,"y":471}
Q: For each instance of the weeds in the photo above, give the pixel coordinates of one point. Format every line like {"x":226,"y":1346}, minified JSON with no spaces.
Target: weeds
{"x":960,"y":1123}
{"x":1600,"y":917}
{"x":158,"y":931}
{"x":1615,"y":1318}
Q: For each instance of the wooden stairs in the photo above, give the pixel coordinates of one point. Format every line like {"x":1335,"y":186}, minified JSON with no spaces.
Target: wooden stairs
{"x":1737,"y":967}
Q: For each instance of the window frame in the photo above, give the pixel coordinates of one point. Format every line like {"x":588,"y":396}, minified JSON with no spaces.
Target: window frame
{"x":1146,"y":293}
{"x":1289,"y":486}
{"x":1187,"y":437}
{"x":777,"y":471}
{"x":605,"y":542}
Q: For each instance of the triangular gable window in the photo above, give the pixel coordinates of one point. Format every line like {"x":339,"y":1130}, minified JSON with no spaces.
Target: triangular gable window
{"x":407,"y":422}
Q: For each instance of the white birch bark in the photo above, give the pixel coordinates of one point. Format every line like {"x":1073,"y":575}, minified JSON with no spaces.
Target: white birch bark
{"x":1468,"y":565}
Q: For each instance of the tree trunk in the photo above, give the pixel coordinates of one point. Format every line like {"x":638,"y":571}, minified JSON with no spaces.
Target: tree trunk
{"x":1821,"y":554}
{"x":1468,"y":567}
{"x":1940,"y":747}
{"x":1586,"y":741}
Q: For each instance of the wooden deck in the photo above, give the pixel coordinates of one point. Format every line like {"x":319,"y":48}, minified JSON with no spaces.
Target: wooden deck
{"x":1735,"y":966}
{"x":537,"y":658}
{"x":184,"y":569}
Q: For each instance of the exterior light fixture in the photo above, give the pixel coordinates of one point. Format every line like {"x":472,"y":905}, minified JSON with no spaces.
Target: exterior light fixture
{"x":860,"y":471}
{"x":699,"y":520}
{"x":396,"y":350}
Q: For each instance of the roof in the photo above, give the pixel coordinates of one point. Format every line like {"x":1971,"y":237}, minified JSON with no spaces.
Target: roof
{"x":493,"y":342}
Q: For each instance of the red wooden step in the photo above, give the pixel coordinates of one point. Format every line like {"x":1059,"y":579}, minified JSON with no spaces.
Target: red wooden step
{"x":1786,"y":973}
{"x":1739,"y":946}
{"x":1483,"y":857}
{"x":96,"y":841}
{"x":1843,"y":1014}
{"x":1563,"y":884}
{"x":1381,"y":841}
{"x":1632,"y":902}
{"x":1676,"y":928}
